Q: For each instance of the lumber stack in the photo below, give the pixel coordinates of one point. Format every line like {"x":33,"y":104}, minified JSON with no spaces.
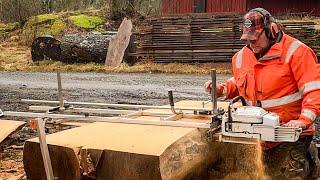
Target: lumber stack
{"x":201,"y":38}
{"x":189,"y":39}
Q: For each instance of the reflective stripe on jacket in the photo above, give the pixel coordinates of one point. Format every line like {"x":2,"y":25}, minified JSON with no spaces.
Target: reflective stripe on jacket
{"x":286,"y":81}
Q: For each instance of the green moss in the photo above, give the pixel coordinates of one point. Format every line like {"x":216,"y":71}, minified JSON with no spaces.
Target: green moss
{"x":86,"y":22}
{"x":9,"y":27}
{"x":46,"y":24}
{"x":58,"y":26}
{"x":43,"y":19}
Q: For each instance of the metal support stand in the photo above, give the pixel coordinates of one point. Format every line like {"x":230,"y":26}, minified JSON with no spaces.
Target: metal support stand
{"x":214,"y":91}
{"x":60,"y":95}
{"x":44,"y":149}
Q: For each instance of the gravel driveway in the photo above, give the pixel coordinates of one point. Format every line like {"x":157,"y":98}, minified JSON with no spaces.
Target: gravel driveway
{"x":94,"y":87}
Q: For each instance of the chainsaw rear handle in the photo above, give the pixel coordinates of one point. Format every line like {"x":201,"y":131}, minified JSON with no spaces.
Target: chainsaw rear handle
{"x":230,"y":107}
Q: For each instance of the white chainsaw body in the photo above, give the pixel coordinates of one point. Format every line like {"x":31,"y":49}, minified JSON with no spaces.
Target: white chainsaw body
{"x":255,"y":122}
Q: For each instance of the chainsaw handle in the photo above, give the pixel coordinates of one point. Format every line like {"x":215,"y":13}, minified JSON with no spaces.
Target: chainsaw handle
{"x":234,"y":100}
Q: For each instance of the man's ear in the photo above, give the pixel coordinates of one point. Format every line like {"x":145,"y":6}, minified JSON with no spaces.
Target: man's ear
{"x":274,"y":28}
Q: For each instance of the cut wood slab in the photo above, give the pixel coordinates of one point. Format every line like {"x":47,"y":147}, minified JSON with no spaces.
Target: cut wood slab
{"x":126,"y":151}
{"x":118,"y":44}
{"x":7,"y":127}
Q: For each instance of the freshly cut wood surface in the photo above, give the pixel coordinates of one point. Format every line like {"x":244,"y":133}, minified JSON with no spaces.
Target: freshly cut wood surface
{"x":118,"y":44}
{"x":7,"y":127}
{"x":126,"y":151}
{"x":133,"y":138}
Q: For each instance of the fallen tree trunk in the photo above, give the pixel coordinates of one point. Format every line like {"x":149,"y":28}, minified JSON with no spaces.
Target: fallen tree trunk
{"x":84,"y":48}
{"x":77,"y":48}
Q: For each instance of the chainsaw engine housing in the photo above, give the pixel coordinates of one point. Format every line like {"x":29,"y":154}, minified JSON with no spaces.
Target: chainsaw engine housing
{"x":255,"y":122}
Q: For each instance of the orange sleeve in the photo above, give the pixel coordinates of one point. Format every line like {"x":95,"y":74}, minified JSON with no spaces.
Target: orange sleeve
{"x":228,"y":89}
{"x":306,"y":72}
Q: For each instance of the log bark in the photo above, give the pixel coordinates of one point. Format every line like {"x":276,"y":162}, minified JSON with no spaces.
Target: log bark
{"x":72,"y":48}
{"x":84,"y":48}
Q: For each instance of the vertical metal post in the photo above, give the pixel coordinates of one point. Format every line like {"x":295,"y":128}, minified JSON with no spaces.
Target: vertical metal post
{"x":44,"y":149}
{"x":60,"y":95}
{"x":213,"y":91}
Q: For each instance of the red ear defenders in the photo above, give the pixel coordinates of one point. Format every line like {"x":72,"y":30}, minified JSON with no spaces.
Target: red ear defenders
{"x":270,"y":27}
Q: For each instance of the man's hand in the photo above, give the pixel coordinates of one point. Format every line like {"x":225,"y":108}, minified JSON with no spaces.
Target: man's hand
{"x":295,"y":123}
{"x":208,"y":86}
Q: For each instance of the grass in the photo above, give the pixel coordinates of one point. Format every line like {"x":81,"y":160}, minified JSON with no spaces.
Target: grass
{"x":8,"y":27}
{"x":14,"y":57}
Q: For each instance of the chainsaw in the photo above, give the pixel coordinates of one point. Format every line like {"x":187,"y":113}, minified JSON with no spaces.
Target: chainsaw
{"x":245,"y":124}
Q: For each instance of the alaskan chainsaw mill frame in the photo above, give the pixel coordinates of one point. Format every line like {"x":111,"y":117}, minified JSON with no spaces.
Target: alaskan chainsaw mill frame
{"x":125,"y":112}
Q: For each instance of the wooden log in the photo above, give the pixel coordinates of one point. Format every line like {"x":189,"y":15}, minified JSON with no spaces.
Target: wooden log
{"x":122,"y":151}
{"x":72,"y":48}
{"x":77,"y":48}
{"x":128,"y":151}
{"x":131,"y":151}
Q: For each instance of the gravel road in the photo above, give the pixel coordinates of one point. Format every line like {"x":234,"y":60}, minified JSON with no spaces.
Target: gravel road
{"x":126,"y":88}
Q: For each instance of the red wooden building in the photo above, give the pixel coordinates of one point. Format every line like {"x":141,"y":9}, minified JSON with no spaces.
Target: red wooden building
{"x":276,"y":7}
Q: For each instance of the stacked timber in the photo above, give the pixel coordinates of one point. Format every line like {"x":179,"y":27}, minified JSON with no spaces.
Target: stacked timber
{"x":190,"y":39}
{"x":303,"y":30}
{"x":201,"y":38}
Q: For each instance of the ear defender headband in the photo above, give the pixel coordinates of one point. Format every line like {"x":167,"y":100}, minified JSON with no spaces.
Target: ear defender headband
{"x":270,"y":27}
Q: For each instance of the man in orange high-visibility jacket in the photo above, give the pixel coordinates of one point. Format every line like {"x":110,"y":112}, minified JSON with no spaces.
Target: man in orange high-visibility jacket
{"x":278,"y":73}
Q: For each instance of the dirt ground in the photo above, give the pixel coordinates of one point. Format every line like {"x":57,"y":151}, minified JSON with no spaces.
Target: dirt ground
{"x":86,"y":87}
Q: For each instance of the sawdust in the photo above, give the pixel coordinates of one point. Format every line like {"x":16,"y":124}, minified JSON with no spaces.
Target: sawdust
{"x":238,"y":161}
{"x":259,"y":163}
{"x":11,"y":169}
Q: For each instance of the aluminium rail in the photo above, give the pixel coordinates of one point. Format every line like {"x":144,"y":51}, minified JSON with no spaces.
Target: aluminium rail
{"x":128,"y":106}
{"x":188,"y":124}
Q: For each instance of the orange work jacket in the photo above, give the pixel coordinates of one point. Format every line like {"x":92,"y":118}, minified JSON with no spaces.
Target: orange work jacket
{"x":286,"y":80}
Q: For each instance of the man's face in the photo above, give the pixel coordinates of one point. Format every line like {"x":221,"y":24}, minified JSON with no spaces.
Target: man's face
{"x":253,"y":32}
{"x":259,"y":45}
